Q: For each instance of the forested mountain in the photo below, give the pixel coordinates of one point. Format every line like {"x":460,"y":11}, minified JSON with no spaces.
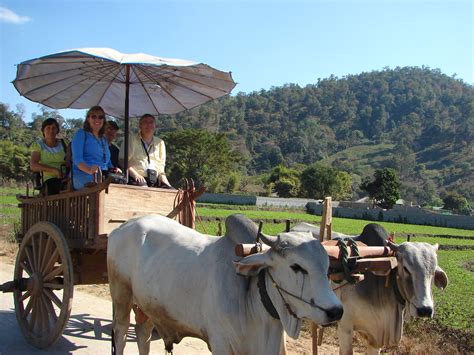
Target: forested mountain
{"x":416,"y":120}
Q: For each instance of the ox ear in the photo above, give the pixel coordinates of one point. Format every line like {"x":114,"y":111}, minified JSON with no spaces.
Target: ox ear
{"x":440,"y":279}
{"x":252,"y":264}
{"x":436,"y":247}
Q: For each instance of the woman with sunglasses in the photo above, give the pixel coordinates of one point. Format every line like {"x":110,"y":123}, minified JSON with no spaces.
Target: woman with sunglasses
{"x":90,"y":149}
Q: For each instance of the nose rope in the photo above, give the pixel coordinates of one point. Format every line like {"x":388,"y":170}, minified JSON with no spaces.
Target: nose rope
{"x":280,"y":290}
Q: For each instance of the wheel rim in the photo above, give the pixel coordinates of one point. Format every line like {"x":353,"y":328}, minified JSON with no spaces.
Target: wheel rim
{"x":44,"y":268}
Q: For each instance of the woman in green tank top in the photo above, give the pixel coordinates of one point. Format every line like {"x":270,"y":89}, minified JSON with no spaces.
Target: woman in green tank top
{"x":48,"y":156}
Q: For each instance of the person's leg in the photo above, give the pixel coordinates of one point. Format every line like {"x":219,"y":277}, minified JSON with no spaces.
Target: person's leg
{"x":53,"y":186}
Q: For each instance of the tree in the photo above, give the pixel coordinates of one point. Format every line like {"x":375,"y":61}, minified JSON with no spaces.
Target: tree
{"x":384,"y":189}
{"x":457,"y":203}
{"x":284,"y":181}
{"x":318,"y":181}
{"x":205,"y":157}
{"x":14,"y":161}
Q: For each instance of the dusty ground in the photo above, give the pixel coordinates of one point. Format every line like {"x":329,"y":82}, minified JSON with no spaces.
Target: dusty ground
{"x":428,"y":342}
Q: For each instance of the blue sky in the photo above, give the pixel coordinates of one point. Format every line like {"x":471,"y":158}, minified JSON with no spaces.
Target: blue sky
{"x":264,"y":43}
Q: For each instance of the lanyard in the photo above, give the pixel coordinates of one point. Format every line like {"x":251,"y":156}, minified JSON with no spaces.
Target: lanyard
{"x":145,"y":149}
{"x":101,"y":141}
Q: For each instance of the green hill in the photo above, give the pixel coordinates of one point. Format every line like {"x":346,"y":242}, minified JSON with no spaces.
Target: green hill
{"x":416,"y":120}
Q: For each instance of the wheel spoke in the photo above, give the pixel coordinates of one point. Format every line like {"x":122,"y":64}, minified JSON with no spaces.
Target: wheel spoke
{"x":34,"y":251}
{"x":55,"y":272}
{"x":44,"y":317}
{"x":29,"y":258}
{"x":52,"y":297}
{"x":28,"y":307}
{"x":50,"y":309}
{"x":45,"y":255}
{"x":39,"y":253}
{"x":24,"y":296}
{"x":51,"y":261}
{"x":26,"y":267}
{"x":54,"y":285}
{"x":34,"y":314}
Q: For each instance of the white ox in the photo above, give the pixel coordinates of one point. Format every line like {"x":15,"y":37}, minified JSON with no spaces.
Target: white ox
{"x":187,"y":284}
{"x":377,"y":312}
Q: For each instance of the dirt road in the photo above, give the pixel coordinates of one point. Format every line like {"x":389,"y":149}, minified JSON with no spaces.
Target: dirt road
{"x":87,"y":332}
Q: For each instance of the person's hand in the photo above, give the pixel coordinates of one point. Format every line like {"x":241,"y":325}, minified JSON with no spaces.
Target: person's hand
{"x":140,"y":179}
{"x":116,"y":170}
{"x":93,"y":169}
{"x":57,"y":173}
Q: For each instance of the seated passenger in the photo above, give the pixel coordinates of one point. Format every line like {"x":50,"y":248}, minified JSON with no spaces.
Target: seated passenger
{"x":146,"y":156}
{"x":111,"y":130}
{"x":48,"y":156}
{"x":90,"y":149}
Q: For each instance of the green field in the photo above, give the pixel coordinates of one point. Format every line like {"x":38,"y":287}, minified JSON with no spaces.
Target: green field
{"x":342,"y":225}
{"x":455,"y":305}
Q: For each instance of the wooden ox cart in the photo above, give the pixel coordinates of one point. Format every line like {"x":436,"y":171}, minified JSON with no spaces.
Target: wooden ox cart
{"x":63,"y":242}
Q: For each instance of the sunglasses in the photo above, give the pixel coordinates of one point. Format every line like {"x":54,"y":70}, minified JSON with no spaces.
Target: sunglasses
{"x":94,"y":116}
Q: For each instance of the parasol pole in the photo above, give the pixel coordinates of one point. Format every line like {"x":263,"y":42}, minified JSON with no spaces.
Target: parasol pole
{"x":127,"y":97}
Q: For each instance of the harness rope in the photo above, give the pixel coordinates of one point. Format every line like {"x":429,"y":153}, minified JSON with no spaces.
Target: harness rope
{"x":281,"y":289}
{"x":341,"y":243}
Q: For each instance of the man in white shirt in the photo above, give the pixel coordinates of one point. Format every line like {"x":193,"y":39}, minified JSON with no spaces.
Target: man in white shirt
{"x":146,"y":156}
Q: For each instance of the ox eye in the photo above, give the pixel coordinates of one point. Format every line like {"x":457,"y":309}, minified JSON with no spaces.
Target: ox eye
{"x":297,"y":268}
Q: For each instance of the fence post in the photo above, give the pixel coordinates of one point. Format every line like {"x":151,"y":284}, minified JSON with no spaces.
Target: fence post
{"x":325,"y":231}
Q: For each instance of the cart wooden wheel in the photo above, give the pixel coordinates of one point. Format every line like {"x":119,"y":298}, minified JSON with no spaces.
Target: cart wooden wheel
{"x":43,"y":297}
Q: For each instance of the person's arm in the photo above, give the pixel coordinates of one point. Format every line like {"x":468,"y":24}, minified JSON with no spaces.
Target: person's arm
{"x":164,"y":179}
{"x":135,"y":175}
{"x":159,"y":157}
{"x":78,"y":153}
{"x":131,"y":171}
{"x":36,"y":166}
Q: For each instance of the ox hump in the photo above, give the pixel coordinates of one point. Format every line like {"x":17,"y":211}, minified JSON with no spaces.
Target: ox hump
{"x":240,"y":229}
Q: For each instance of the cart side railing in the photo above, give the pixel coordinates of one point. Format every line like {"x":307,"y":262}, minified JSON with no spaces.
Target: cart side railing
{"x":74,"y":213}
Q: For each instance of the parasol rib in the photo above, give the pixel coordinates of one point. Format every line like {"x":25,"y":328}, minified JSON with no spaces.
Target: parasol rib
{"x":170,"y":80}
{"x":148,"y":95}
{"x":165,"y":90}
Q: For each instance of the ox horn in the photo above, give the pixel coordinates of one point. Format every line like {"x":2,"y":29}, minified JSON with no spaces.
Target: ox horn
{"x":392,"y":246}
{"x":269,"y":240}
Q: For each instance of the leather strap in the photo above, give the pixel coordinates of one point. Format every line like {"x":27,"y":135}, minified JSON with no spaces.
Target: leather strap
{"x":264,"y":297}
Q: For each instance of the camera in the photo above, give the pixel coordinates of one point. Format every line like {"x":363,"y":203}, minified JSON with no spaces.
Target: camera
{"x":152,"y":177}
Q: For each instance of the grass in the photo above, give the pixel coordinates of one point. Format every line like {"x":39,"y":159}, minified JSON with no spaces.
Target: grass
{"x":256,"y":214}
{"x":342,"y":225}
{"x":455,"y":305}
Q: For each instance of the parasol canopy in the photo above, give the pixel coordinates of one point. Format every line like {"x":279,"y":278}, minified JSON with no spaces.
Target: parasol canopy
{"x":86,"y":77}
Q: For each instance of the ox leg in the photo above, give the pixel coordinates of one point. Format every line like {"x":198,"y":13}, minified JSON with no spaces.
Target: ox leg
{"x":283,"y":345}
{"x":345,"y":335}
{"x":143,"y":331}
{"x":122,"y":305}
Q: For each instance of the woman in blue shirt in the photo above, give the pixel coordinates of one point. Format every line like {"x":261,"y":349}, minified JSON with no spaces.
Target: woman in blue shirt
{"x":90,"y":149}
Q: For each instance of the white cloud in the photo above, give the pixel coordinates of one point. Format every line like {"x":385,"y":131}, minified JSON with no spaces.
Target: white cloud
{"x":9,"y":16}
